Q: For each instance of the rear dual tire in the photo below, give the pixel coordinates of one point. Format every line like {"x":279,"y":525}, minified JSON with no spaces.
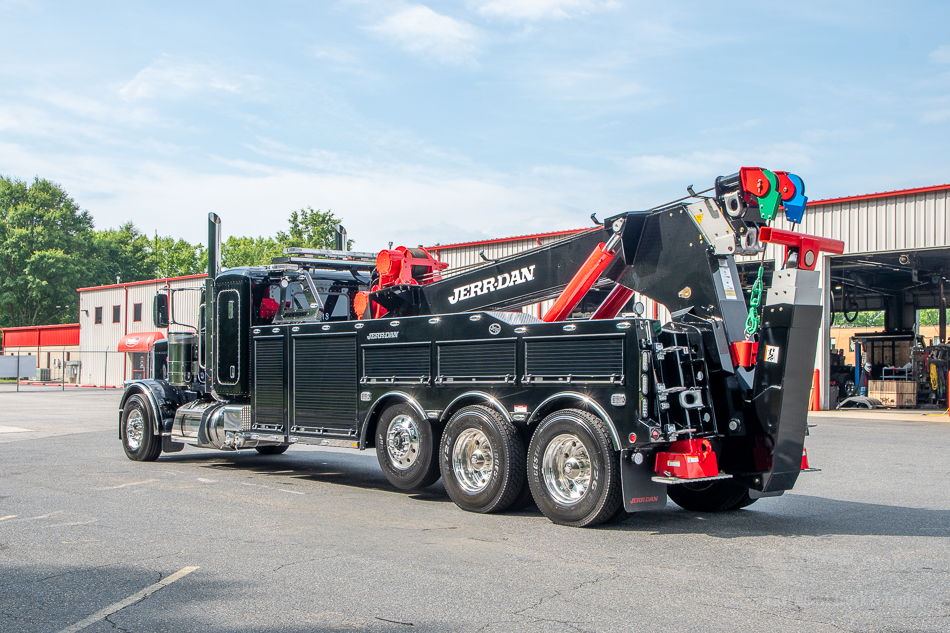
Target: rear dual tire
{"x":714,"y":496}
{"x":482,"y":460}
{"x":406,"y":445}
{"x":574,"y":471}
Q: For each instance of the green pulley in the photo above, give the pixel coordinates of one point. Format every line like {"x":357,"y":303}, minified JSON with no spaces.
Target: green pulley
{"x":768,"y":204}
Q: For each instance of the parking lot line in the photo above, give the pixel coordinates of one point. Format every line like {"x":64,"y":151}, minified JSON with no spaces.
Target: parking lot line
{"x":121,"y":604}
{"x":9,"y":516}
{"x":131,"y":483}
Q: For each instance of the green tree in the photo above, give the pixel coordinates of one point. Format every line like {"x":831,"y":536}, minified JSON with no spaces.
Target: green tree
{"x":177,"y":258}
{"x":122,"y":254}
{"x":863,"y":319}
{"x":249,"y":251}
{"x":930,"y":317}
{"x":45,"y":250}
{"x":308,"y":228}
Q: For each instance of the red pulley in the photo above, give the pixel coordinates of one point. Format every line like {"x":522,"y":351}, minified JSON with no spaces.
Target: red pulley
{"x":754,"y":181}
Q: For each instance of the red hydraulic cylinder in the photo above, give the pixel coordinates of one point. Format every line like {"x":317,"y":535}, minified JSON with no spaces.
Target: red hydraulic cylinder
{"x":614,"y":303}
{"x":586,"y":277}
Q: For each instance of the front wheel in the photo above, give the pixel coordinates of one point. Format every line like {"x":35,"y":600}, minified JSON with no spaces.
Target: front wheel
{"x":406,"y":447}
{"x":482,"y":460}
{"x":574,"y":471}
{"x":138,"y":438}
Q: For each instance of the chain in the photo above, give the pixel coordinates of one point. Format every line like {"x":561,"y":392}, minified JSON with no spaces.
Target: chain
{"x":752,"y":321}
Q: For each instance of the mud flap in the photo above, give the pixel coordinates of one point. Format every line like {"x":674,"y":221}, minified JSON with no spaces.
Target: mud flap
{"x":640,"y":492}
{"x":168,"y":446}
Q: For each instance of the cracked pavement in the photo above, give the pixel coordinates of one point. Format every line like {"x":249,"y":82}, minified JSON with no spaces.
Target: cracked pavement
{"x":862,"y":546}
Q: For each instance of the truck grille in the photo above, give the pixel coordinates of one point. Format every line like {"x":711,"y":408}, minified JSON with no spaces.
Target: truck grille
{"x":325,"y":382}
{"x":396,"y":361}
{"x":581,"y":358}
{"x":269,"y":382}
{"x":493,"y":360}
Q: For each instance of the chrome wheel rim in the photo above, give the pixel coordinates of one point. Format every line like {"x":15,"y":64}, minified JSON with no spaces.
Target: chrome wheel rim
{"x":134,"y":429}
{"x":565,"y":469}
{"x":473,"y":461}
{"x":402,"y":442}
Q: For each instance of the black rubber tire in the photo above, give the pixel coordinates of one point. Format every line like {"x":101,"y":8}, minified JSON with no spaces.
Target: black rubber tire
{"x":714,"y":496}
{"x":524,"y":500}
{"x":272,"y":449}
{"x":508,"y":466}
{"x":423,"y":471}
{"x":744,"y":502}
{"x":149,"y":446}
{"x":604,"y":495}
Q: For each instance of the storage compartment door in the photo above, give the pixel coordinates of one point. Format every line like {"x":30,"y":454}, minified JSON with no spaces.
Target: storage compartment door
{"x":324,"y":385}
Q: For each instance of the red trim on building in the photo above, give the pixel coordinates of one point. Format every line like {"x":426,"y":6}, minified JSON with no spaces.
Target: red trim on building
{"x":140,"y":283}
{"x":883,"y":194}
{"x":517,"y":238}
{"x":41,"y":335}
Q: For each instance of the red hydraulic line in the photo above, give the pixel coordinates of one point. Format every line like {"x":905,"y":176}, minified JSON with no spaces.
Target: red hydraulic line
{"x":582,"y":282}
{"x":614,"y":303}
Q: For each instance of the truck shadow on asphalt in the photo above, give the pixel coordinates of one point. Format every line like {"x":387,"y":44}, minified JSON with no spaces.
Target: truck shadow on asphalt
{"x":790,"y":515}
{"x":355,"y":471}
{"x":795,"y":515}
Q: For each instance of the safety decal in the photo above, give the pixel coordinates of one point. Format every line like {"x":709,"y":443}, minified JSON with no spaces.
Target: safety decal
{"x":771,"y":353}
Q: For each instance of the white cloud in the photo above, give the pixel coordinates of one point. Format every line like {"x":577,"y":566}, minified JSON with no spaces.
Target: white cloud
{"x":704,"y":166}
{"x":542,"y":9}
{"x":941,"y":54}
{"x":178,"y":78}
{"x":418,"y":29}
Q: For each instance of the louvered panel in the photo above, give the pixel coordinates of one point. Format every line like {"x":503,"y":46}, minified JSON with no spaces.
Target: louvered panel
{"x":269,"y":382}
{"x":494,"y":359}
{"x":396,"y":361}
{"x":325,"y":383}
{"x":580,"y":357}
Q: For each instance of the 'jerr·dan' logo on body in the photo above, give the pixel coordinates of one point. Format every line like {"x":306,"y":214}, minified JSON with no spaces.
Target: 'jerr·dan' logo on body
{"x":492,"y":284}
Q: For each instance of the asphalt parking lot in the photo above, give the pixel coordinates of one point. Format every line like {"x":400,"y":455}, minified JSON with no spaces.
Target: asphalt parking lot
{"x":317,"y":540}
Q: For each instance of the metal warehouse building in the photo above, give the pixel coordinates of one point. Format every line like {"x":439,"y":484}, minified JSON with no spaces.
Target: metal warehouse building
{"x":116,"y":331}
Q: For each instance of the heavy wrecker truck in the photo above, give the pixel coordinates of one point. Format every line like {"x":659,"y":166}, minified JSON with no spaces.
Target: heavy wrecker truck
{"x":444,"y":376}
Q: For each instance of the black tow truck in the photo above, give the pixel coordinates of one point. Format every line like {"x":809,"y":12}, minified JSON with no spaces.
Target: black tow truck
{"x":444,"y":376}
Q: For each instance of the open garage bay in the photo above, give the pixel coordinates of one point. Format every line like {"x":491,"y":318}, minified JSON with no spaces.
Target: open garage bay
{"x":317,"y":540}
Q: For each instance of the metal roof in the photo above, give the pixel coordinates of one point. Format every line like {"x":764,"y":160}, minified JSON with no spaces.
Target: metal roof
{"x":811,"y":203}
{"x":139,"y":283}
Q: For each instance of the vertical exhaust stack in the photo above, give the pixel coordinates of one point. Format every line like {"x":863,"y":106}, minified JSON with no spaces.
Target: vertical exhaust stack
{"x":339,"y":238}
{"x":214,"y":267}
{"x":214,"y":245}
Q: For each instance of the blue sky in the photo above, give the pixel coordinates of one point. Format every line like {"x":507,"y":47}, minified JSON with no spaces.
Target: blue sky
{"x":450,"y":121}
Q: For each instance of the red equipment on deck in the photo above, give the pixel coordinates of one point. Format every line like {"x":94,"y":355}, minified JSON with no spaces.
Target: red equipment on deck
{"x":398,"y":267}
{"x":688,"y":459}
